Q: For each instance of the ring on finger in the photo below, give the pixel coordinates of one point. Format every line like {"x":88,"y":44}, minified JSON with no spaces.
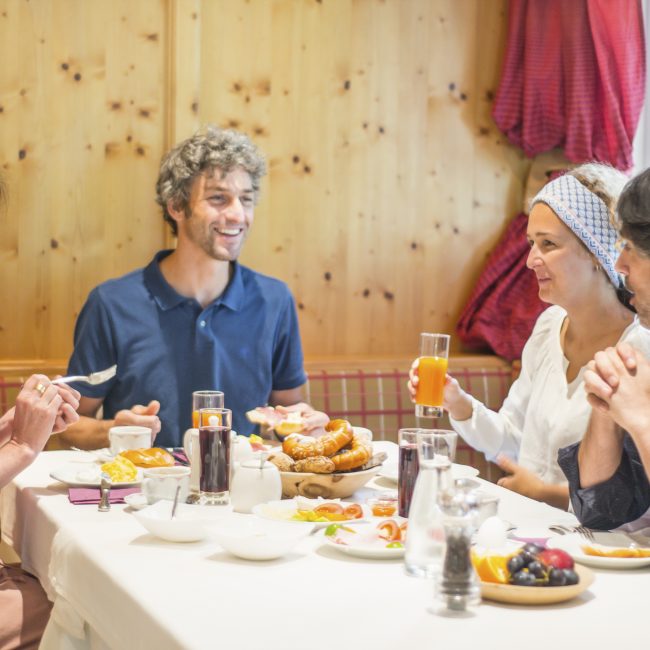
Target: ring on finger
{"x":41,"y":387}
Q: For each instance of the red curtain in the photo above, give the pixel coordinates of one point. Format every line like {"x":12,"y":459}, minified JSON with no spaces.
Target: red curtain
{"x":573,"y":77}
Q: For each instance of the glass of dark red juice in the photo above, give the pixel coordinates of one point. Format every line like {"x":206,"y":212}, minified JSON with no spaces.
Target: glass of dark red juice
{"x":408,"y":468}
{"x":215,"y":450}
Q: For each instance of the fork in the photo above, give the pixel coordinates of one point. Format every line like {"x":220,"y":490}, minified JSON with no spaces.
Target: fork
{"x":585,"y":532}
{"x":93,"y":378}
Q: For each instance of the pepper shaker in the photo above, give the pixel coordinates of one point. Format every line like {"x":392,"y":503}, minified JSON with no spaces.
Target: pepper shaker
{"x":104,"y":491}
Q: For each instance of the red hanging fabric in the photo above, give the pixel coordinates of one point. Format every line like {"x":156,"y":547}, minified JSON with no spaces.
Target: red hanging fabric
{"x":504,"y":306}
{"x":573,"y":77}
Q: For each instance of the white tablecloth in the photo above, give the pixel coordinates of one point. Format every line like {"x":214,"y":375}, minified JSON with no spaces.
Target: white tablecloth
{"x":115,"y":586}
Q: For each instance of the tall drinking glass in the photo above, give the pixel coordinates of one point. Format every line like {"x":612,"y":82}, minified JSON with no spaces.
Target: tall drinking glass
{"x":432,"y":372}
{"x":215,"y":447}
{"x":407,"y":470}
{"x":205,"y":399}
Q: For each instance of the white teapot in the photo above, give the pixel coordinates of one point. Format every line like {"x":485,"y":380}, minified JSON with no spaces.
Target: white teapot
{"x":255,"y":481}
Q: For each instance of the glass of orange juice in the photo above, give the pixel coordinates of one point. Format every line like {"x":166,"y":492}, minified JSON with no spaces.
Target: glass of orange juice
{"x":432,"y":372}
{"x":205,"y":399}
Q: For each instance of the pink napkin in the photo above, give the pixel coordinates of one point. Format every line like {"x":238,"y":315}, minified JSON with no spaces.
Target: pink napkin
{"x":81,"y":496}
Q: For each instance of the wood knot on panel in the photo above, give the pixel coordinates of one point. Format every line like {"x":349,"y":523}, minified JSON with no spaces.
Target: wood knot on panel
{"x":111,"y":148}
{"x":54,"y":243}
{"x":483,"y":130}
{"x":236,"y":87}
{"x":64,"y":66}
{"x":301,"y":306}
{"x":327,"y":275}
{"x":296,"y":159}
{"x":346,"y":84}
{"x":307,"y":169}
{"x":144,"y":112}
{"x":381,"y":129}
{"x":489,"y":95}
{"x":233,"y":124}
{"x":22,"y":154}
{"x":264,"y":87}
{"x":195,"y":107}
{"x":455,"y":230}
{"x":463,"y":97}
{"x":366,"y":293}
{"x":140,"y":151}
{"x":258,"y":130}
{"x":414,"y":245}
{"x":452,"y":86}
{"x":23,"y":92}
{"x":77,"y":76}
{"x":389,"y":295}
{"x":151,"y":37}
{"x":116,"y":106}
{"x":2,"y":109}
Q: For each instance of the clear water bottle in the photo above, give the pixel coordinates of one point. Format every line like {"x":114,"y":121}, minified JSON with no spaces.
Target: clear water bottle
{"x":425,"y":541}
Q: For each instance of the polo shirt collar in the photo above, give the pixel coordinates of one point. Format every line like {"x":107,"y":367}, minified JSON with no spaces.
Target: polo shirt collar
{"x":168,"y":298}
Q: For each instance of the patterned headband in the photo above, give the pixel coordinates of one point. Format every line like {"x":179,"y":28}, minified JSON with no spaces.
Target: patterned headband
{"x":586,"y":215}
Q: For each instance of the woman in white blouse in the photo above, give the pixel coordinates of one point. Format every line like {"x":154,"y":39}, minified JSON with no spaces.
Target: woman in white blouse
{"x":572,"y":253}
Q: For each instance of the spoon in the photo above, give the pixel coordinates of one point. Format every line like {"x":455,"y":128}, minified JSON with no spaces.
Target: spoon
{"x":178,"y":491}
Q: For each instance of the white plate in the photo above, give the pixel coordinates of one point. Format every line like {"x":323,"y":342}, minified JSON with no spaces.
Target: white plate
{"x":284,"y":510}
{"x":86,"y":475}
{"x":605,"y":541}
{"x":390,"y":471}
{"x":364,"y":543}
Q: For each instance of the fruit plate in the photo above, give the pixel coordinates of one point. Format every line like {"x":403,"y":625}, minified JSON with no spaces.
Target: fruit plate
{"x":603,"y":541}
{"x":516,"y":595}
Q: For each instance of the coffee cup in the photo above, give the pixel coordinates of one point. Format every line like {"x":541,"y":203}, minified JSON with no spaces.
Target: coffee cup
{"x":122,"y":438}
{"x":160,"y":483}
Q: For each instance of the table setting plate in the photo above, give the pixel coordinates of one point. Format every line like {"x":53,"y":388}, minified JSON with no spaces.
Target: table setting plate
{"x":573,"y":543}
{"x":283,"y":510}
{"x":390,"y":471}
{"x":70,"y":475}
{"x":363,"y":547}
{"x":516,"y":595}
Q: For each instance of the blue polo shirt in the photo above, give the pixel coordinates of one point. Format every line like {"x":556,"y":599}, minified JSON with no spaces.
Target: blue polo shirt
{"x":246,"y":344}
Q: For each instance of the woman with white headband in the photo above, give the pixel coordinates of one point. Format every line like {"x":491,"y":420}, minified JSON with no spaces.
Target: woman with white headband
{"x":572,"y":253}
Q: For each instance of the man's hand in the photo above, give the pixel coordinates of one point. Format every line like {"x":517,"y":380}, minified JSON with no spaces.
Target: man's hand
{"x":313,"y":419}
{"x":141,"y":416}
{"x":617,"y":382}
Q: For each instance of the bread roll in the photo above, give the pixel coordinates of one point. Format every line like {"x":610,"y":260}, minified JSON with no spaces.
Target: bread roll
{"x":153,"y":457}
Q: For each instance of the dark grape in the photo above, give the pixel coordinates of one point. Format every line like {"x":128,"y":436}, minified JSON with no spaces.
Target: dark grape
{"x":557,"y":578}
{"x":515,"y":563}
{"x":531,"y":548}
{"x":527,"y":557}
{"x":572,"y":577}
{"x":523,"y":579}
{"x":537,"y":569}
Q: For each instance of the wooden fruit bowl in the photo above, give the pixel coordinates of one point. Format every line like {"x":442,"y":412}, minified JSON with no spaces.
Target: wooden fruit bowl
{"x":329,"y":486}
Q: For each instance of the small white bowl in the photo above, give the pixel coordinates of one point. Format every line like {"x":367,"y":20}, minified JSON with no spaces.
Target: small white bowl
{"x":252,"y":538}
{"x":188,"y":525}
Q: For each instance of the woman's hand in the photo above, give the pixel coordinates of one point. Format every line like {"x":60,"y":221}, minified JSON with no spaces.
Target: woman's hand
{"x":524,"y":482}
{"x":67,"y":414}
{"x":37,"y":408}
{"x":455,"y":400}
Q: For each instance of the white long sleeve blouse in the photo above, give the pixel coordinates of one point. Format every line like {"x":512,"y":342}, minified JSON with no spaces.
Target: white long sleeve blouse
{"x":542,"y":412}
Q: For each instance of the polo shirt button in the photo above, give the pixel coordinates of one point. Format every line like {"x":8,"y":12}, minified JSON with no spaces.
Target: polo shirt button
{"x":202,"y":323}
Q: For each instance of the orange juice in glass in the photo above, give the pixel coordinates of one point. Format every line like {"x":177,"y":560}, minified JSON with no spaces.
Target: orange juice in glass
{"x":432,"y":372}
{"x":205,"y":399}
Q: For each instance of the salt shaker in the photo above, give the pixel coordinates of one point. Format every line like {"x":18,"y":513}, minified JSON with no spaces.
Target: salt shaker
{"x":104,"y":491}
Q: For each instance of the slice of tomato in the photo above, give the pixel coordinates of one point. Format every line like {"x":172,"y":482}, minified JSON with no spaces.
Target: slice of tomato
{"x":389,"y":530}
{"x":332,"y":508}
{"x":353,"y":511}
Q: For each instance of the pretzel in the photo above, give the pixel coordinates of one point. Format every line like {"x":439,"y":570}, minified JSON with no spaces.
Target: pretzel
{"x":359,"y":454}
{"x":339,"y":433}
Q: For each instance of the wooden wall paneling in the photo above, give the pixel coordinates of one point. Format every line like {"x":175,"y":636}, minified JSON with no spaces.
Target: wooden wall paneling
{"x":81,"y":165}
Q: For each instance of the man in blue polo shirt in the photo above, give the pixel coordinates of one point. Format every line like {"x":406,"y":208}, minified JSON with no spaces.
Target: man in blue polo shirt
{"x":194,"y":318}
